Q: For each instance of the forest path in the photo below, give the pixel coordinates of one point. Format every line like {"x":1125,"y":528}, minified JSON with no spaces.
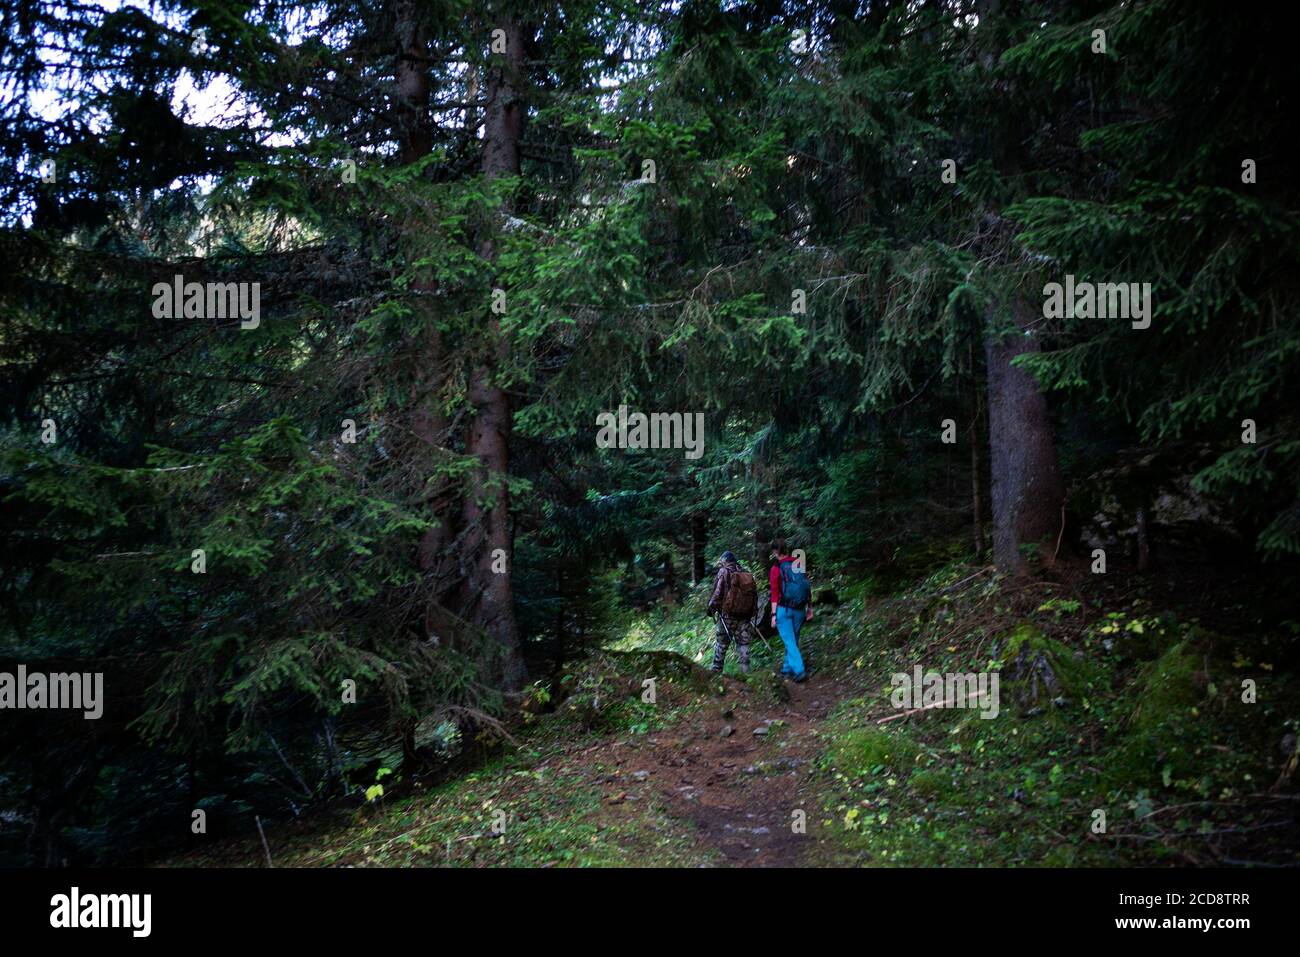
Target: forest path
{"x":741,"y":771}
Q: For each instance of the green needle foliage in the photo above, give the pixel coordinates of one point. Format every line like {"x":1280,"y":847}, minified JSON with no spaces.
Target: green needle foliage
{"x":333,"y":542}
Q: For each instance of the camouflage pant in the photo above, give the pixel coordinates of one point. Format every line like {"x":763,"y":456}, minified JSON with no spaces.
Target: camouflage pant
{"x":742,"y":633}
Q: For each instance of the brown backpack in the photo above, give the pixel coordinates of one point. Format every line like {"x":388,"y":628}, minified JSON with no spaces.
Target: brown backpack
{"x":741,"y":597}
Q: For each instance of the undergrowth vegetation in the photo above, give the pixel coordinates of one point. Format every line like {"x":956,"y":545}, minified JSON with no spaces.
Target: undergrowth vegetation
{"x":1112,"y":703}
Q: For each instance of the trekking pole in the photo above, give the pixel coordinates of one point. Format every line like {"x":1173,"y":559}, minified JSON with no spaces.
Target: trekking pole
{"x":712,"y":640}
{"x":723,"y":619}
{"x":754,"y":623}
{"x":731,"y":638}
{"x":779,"y":652}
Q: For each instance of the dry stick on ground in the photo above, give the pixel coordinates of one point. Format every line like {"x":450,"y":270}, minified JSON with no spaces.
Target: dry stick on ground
{"x":1165,"y":835}
{"x":265,"y":847}
{"x":1060,"y":535}
{"x":1244,"y":799}
{"x":1240,"y":863}
{"x":965,"y":618}
{"x":947,"y":588}
{"x":928,"y":707}
{"x":363,"y":843}
{"x":964,"y":623}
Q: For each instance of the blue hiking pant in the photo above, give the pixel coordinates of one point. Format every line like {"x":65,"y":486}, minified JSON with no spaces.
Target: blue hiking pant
{"x":788,"y":623}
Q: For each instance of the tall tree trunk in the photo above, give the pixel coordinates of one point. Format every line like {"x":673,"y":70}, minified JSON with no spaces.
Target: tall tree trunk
{"x":486,"y":509}
{"x":414,"y":132}
{"x":413,"y":129}
{"x":414,"y":124}
{"x":1027,"y":492}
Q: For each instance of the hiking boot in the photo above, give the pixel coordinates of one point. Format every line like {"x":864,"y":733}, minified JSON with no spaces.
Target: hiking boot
{"x":800,"y":679}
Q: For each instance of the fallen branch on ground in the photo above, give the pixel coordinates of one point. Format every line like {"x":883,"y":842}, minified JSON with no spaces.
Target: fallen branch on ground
{"x":928,"y":707}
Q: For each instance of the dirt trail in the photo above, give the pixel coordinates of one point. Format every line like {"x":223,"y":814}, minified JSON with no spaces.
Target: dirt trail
{"x":741,"y":789}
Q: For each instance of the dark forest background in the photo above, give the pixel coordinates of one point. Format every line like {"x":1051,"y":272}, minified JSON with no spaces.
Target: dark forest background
{"x":825,"y":225}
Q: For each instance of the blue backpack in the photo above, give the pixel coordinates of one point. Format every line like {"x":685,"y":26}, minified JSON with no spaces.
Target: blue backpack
{"x":795,"y":590}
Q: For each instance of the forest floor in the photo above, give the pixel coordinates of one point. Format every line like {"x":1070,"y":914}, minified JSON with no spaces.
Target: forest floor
{"x":1119,"y":703}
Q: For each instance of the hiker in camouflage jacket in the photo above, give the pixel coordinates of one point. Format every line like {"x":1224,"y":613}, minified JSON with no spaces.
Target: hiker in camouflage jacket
{"x":735,"y":623}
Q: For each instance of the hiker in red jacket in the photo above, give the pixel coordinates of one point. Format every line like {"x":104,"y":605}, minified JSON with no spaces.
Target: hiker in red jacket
{"x":791,"y":606}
